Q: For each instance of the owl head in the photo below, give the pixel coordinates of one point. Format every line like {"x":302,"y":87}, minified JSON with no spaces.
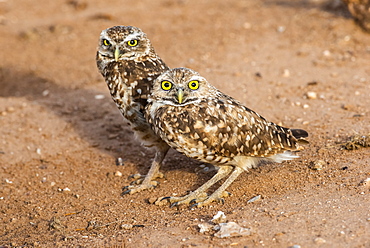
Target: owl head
{"x":181,"y":86}
{"x":124,"y":43}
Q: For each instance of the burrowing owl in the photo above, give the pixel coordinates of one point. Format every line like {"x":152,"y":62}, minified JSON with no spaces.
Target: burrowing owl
{"x":201,"y":122}
{"x":129,"y":64}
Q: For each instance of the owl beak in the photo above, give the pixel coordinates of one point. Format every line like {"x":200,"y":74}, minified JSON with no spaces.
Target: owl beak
{"x":180,"y":95}
{"x":117,"y":54}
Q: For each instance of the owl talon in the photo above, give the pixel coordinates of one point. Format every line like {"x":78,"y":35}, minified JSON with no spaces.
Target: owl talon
{"x":225,"y":194}
{"x":132,"y":189}
{"x":136,"y":182}
{"x":220,"y":200}
{"x":175,"y":204}
{"x":136,"y":176}
{"x":125,"y":192}
{"x":195,"y":205}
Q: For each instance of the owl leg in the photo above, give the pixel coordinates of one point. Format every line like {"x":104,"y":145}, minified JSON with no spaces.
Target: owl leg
{"x":199,"y":194}
{"x":219,"y":193}
{"x":147,"y":182}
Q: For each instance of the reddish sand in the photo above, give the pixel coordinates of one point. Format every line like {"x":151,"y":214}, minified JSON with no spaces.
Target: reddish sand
{"x":61,"y":133}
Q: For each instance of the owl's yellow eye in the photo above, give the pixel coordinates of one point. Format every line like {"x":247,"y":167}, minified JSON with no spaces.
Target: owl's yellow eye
{"x":166,"y":85}
{"x":132,"y":43}
{"x":194,"y":84}
{"x":106,"y":42}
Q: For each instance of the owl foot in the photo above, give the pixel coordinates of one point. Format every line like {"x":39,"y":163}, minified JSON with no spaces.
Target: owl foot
{"x":132,"y":189}
{"x":146,"y":182}
{"x":215,"y":197}
{"x":139,"y":184}
{"x":176,"y":201}
{"x":195,"y":200}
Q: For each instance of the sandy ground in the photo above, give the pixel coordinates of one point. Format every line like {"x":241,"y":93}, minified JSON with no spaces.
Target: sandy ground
{"x":61,"y":134}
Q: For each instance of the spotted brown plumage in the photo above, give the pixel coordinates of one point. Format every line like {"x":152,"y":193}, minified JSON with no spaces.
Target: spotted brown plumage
{"x":360,"y":10}
{"x":129,"y":64}
{"x":201,"y":122}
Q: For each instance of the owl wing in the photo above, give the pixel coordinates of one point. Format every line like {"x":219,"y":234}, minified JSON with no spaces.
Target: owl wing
{"x":224,"y":128}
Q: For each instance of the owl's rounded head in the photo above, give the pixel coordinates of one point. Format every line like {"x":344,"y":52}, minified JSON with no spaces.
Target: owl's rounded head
{"x":181,"y":86}
{"x":124,"y":43}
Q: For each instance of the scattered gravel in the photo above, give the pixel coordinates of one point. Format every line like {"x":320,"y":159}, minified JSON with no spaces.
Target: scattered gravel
{"x":231,"y":229}
{"x":254,"y":199}
{"x":317,"y":165}
{"x":118,"y":174}
{"x":220,"y":217}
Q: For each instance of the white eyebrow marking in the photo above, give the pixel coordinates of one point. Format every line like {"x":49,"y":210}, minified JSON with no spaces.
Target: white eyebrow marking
{"x":132,"y":37}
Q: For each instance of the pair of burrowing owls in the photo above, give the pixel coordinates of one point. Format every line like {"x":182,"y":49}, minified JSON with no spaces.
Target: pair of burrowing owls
{"x":178,"y":108}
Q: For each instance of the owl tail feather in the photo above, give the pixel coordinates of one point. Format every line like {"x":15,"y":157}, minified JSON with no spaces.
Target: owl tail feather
{"x":286,"y":155}
{"x":300,"y":135}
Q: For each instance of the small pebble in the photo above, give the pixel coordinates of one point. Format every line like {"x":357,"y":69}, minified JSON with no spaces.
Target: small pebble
{"x":118,"y":174}
{"x":231,"y":229}
{"x":204,"y":227}
{"x":311,"y":95}
{"x":65,"y":189}
{"x":45,"y":93}
{"x":320,"y":241}
{"x":220,"y":217}
{"x":99,"y":97}
{"x":317,"y":165}
{"x":119,"y":162}
{"x":256,"y":198}
{"x":281,"y":29}
{"x":247,"y":25}
{"x":347,"y":38}
{"x":295,"y":246}
{"x":8,"y":181}
{"x":326,"y":53}
{"x":366,"y":182}
{"x":286,"y":73}
{"x":38,"y":151}
{"x":126,"y":226}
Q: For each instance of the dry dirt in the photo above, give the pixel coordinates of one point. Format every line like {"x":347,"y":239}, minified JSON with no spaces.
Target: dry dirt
{"x":61,"y":134}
